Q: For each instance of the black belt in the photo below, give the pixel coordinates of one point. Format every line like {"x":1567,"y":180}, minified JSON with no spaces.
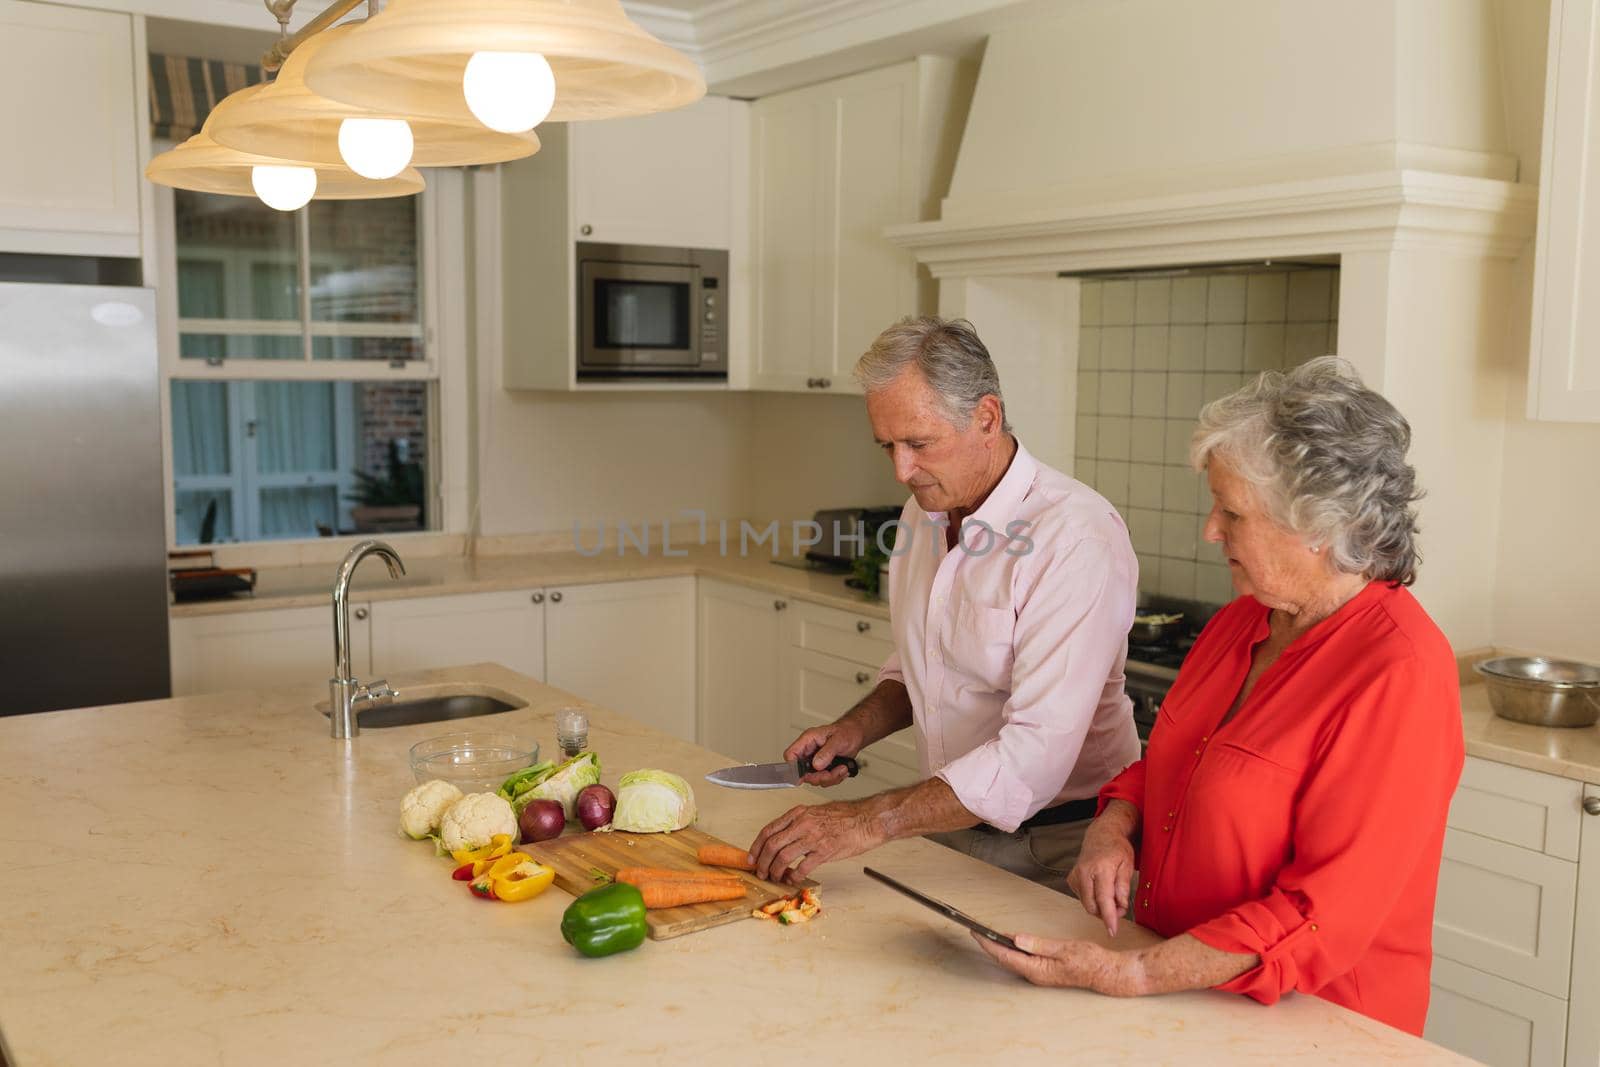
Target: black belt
{"x":1070,"y":811}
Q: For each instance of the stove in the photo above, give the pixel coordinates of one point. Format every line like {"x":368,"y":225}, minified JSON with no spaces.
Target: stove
{"x":1152,"y":668}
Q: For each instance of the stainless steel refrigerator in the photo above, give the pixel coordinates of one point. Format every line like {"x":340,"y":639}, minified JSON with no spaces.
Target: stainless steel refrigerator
{"x":83,"y":582}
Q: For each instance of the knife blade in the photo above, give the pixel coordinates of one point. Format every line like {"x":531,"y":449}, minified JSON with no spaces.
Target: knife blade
{"x":774,"y":775}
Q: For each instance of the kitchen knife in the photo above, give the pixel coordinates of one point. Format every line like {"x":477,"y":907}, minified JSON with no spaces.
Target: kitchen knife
{"x":774,"y":775}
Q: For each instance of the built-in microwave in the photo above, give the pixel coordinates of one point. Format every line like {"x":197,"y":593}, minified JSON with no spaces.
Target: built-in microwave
{"x":646,"y":311}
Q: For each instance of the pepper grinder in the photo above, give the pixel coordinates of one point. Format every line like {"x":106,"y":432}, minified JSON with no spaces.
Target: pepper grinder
{"x":572,"y":731}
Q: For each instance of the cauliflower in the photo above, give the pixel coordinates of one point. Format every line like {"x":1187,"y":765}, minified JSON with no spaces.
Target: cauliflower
{"x":471,"y":821}
{"x":424,"y":806}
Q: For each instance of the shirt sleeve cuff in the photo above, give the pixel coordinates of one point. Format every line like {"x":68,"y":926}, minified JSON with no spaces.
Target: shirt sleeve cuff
{"x":1272,"y":928}
{"x":1129,"y":786}
{"x":890,"y":671}
{"x":983,"y":785}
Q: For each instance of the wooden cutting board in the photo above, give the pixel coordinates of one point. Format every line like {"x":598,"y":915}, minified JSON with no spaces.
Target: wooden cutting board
{"x":586,"y":860}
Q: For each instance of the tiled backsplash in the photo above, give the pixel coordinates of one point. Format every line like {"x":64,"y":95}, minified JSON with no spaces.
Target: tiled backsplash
{"x":1151,"y":352}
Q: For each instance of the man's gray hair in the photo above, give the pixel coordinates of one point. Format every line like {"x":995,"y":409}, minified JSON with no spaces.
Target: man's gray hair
{"x":1327,"y":457}
{"x":949,"y":355}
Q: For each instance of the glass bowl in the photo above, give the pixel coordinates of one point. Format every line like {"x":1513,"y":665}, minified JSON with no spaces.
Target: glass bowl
{"x":476,"y":761}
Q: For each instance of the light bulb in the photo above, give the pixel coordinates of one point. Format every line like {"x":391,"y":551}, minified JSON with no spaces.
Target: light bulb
{"x":376,"y":148}
{"x":509,"y":91}
{"x":284,"y":188}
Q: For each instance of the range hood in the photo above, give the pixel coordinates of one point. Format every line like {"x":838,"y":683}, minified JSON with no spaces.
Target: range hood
{"x":1139,"y":136}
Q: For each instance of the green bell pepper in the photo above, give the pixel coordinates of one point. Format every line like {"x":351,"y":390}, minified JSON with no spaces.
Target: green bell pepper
{"x":606,"y":920}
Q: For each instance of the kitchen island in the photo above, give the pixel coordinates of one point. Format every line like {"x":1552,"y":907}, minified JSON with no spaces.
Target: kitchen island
{"x":214,"y":880}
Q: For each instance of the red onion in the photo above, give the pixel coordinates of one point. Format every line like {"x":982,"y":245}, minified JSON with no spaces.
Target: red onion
{"x":595,"y":804}
{"x":541,"y":820}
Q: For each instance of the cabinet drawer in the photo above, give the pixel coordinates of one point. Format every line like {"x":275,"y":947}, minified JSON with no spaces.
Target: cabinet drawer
{"x":1520,"y":807}
{"x":857,"y":638}
{"x":1494,"y":1021}
{"x":1506,"y":911}
{"x":826,"y":688}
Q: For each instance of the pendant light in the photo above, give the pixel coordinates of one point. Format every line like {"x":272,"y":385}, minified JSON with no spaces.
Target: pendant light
{"x":498,"y":61}
{"x":202,"y":165}
{"x":287,"y":120}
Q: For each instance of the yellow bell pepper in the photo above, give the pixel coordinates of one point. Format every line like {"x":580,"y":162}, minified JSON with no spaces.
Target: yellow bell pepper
{"x":498,"y":846}
{"x":517,"y":877}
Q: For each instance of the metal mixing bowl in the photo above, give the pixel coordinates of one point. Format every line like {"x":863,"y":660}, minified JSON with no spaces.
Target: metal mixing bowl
{"x":1544,"y":692}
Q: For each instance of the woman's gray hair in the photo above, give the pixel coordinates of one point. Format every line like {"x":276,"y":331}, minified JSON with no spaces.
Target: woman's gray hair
{"x":949,"y":355}
{"x":1327,"y":457}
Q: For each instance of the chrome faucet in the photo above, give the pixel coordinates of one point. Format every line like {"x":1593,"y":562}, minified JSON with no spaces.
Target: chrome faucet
{"x":343,"y":689}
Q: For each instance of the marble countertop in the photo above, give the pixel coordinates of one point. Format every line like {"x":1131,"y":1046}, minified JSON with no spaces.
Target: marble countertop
{"x":311,"y":586}
{"x":214,"y":880}
{"x":1567,"y":752}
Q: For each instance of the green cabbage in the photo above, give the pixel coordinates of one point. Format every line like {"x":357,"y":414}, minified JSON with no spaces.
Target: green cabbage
{"x":513,"y":788}
{"x":564,"y":783}
{"x":651,"y":802}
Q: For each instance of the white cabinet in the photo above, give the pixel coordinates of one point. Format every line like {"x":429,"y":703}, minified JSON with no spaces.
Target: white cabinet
{"x":1503,"y":932}
{"x":628,"y":646}
{"x":263,"y":649}
{"x":69,"y":171}
{"x":448,"y":631}
{"x":1492,"y":1020}
{"x":740,"y":641}
{"x":1583,"y":1018}
{"x":830,"y":662}
{"x":832,"y":166}
{"x":661,"y":179}
{"x":676,"y":178}
{"x":1564,"y":355}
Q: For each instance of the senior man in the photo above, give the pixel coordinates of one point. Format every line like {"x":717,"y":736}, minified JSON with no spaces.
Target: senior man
{"x":1012,"y":588}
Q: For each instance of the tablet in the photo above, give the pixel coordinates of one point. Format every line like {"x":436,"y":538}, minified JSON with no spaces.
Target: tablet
{"x":946,"y":910}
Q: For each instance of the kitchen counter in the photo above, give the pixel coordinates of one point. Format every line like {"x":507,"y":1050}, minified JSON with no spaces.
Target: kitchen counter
{"x":214,"y":880}
{"x":311,"y":586}
{"x":1567,"y":752}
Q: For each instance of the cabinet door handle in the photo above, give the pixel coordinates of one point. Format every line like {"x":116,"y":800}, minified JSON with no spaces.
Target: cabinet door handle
{"x":862,"y":677}
{"x":824,"y":383}
{"x":811,"y":383}
{"x":555,"y":598}
{"x":361,"y":613}
{"x":1591,"y":805}
{"x":862,"y":626}
{"x":779,"y":605}
{"x":538,"y":598}
{"x":586,"y":229}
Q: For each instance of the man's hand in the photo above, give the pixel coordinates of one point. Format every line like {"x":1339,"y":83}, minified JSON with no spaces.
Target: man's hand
{"x":813,"y":836}
{"x":820,"y":744}
{"x":1103,"y":875}
{"x":1069,"y":964}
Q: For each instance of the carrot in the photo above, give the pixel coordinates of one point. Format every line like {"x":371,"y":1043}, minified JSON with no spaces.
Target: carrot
{"x":636,"y":875}
{"x":725,"y":856}
{"x":672,"y":893}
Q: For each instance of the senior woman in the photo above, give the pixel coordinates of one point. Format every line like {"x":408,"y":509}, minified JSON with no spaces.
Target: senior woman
{"x":1287,"y":820}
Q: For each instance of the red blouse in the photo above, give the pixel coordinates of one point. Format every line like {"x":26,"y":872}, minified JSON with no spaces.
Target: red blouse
{"x":1307,"y":829}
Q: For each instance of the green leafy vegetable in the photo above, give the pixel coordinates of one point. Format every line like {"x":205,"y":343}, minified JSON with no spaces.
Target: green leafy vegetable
{"x":563,"y":784}
{"x":650,"y":801}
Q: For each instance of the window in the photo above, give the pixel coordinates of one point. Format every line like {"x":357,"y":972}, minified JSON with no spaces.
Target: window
{"x":303,"y":399}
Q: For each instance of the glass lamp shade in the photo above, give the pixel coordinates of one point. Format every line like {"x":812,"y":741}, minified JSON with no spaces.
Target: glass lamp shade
{"x":202,"y":165}
{"x":410,"y":58}
{"x":283,"y":188}
{"x":288,"y":120}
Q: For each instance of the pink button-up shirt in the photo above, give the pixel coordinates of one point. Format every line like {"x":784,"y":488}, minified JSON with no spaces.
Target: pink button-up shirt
{"x":1012,"y":644}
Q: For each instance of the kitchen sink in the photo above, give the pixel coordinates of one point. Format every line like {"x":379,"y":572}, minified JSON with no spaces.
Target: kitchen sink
{"x":436,"y":707}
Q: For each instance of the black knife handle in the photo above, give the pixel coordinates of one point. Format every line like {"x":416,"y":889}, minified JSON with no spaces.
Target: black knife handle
{"x":803,"y":765}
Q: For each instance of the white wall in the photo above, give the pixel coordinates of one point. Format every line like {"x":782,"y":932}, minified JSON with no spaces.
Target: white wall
{"x":807,"y":452}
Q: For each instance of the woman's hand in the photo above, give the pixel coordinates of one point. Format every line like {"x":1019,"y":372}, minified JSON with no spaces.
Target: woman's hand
{"x":1069,"y":964}
{"x":1103,"y":876}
